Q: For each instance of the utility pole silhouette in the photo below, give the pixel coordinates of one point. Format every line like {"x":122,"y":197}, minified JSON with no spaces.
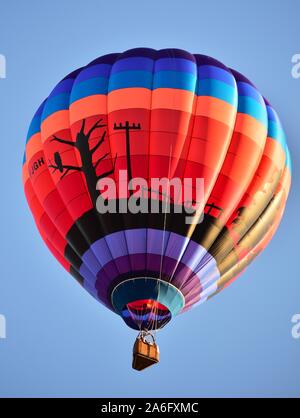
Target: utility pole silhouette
{"x":127,"y":128}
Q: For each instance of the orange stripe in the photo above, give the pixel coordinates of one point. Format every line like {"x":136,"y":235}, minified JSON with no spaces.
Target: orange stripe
{"x":88,"y":106}
{"x":33,"y":146}
{"x":164,"y":98}
{"x":140,"y":98}
{"x":249,"y":126}
{"x":55,"y":123}
{"x":175,"y":99}
{"x":217,"y":109}
{"x":129,"y":98}
{"x":25,"y":175}
{"x":275,"y":152}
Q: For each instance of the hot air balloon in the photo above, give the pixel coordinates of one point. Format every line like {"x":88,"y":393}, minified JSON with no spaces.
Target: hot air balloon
{"x":150,"y":114}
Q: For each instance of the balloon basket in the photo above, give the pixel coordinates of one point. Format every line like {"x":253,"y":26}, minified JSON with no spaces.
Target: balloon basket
{"x":145,"y":353}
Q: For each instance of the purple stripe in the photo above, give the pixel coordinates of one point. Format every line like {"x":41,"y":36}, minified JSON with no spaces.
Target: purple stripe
{"x":174,"y":53}
{"x":139,"y":52}
{"x":157,"y":54}
{"x":105,"y":59}
{"x":64,"y":86}
{"x":176,"y":64}
{"x":40,"y":110}
{"x":100,"y":70}
{"x":216,"y":73}
{"x":193,"y":255}
{"x":108,"y":277}
{"x":73,"y":74}
{"x":101,"y":249}
{"x":137,"y":241}
{"x":245,"y":89}
{"x":186,"y":263}
{"x":131,"y":64}
{"x":206,"y":60}
{"x":147,"y":64}
{"x":241,"y":78}
{"x":157,"y":241}
{"x":115,"y":245}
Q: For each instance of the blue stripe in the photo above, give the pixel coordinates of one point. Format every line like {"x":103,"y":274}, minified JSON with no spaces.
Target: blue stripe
{"x":251,"y":107}
{"x":59,"y":102}
{"x":210,"y":71}
{"x":98,"y":70}
{"x":218,"y":89}
{"x":35,"y":127}
{"x":272,"y":115}
{"x":276,"y":132}
{"x":174,"y":80}
{"x":247,"y":90}
{"x":288,"y":161}
{"x":162,"y":79}
{"x":126,"y":79}
{"x":35,"y":124}
{"x":97,"y":85}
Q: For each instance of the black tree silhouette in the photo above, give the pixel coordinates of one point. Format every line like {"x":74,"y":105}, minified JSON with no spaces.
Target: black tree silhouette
{"x":86,"y":153}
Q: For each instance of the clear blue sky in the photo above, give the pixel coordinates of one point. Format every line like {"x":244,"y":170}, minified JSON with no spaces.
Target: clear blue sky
{"x":60,"y":341}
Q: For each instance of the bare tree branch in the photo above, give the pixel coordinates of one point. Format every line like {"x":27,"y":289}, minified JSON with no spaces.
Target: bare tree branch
{"x":99,"y":143}
{"x":100,"y":159}
{"x":95,"y":126}
{"x":61,"y":167}
{"x":54,"y":167}
{"x":107,"y":173}
{"x":82,"y":126}
{"x":62,"y":141}
{"x":65,"y":167}
{"x":70,"y":168}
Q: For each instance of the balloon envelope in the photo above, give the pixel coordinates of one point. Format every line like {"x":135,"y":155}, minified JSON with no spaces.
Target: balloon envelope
{"x":143,"y":115}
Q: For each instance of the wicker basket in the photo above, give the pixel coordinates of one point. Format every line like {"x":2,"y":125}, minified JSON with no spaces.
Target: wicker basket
{"x":145,"y":354}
